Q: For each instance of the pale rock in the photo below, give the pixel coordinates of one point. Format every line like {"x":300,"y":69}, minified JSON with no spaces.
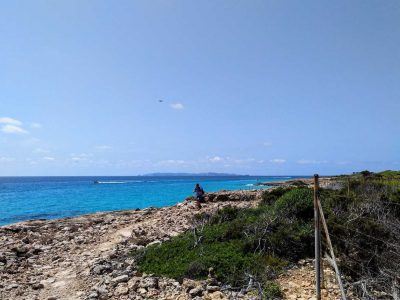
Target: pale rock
{"x":149,"y":282}
{"x":215,"y":296}
{"x":133,"y":283}
{"x":119,"y":279}
{"x":122,"y":289}
{"x":156,"y":242}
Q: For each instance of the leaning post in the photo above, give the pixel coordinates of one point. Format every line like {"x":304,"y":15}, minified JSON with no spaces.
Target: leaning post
{"x":317,"y":239}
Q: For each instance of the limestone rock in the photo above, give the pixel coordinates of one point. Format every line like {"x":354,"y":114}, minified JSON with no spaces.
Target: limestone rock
{"x":122,"y":289}
{"x":119,"y":279}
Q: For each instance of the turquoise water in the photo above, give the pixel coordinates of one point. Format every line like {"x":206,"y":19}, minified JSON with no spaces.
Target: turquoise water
{"x":25,"y":198}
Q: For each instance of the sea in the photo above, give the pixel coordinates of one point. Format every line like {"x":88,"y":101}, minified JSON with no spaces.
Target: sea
{"x":28,"y":198}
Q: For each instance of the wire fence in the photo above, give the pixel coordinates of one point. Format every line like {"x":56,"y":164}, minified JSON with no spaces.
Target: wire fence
{"x":367,"y":266}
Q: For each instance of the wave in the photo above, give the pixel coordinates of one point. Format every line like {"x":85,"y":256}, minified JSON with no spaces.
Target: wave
{"x":250,"y":184}
{"x":111,"y":182}
{"x":126,"y":181}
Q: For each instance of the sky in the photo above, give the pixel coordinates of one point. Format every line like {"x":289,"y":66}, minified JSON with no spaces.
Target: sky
{"x":249,"y":87}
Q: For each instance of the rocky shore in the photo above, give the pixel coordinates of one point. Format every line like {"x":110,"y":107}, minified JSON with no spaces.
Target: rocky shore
{"x":324,"y":182}
{"x":88,"y":257}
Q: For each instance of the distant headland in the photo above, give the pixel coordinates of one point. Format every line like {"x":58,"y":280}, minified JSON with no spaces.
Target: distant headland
{"x":210,"y":174}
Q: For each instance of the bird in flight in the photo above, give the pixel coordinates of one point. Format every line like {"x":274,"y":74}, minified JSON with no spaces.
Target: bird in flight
{"x":160,"y":101}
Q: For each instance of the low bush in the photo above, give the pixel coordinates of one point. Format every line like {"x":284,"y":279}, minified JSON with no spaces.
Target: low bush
{"x":270,"y":196}
{"x":226,"y":214}
{"x":296,"y":203}
{"x":179,"y":259}
{"x":272,"y":291}
{"x":363,"y":220}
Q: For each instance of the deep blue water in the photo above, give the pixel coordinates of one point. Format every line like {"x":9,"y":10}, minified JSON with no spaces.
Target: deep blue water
{"x":25,"y":198}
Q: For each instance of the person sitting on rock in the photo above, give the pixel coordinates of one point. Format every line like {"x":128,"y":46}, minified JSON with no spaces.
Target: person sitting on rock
{"x":199,"y":192}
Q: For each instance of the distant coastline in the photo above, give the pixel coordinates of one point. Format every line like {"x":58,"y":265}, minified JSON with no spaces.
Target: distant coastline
{"x":207,"y":174}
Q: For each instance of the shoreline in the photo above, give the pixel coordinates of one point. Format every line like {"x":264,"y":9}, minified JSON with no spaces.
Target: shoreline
{"x":25,"y":206}
{"x":325,"y":181}
{"x":123,"y":211}
{"x":84,"y":257}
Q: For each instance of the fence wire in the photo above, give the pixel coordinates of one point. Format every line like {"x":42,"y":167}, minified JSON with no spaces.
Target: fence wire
{"x":373,"y":272}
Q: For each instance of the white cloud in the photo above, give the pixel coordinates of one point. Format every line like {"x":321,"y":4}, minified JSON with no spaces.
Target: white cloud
{"x":81,"y":157}
{"x":244,"y":160}
{"x":229,"y":160}
{"x":7,"y":120}
{"x":13,"y":129}
{"x":278,"y":160}
{"x":267,"y":144}
{"x":215,"y":159}
{"x":6,"y":159}
{"x":31,"y":161}
{"x":177,"y":106}
{"x":344,"y":162}
{"x":41,"y":150}
{"x":103,"y":147}
{"x":311,"y":162}
{"x":49,"y":158}
{"x":172,"y":162}
{"x":36,"y":125}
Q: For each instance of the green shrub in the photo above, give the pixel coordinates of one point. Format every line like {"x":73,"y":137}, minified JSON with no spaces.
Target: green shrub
{"x":389,"y":174}
{"x":178,"y":259}
{"x":297,"y":203}
{"x":196,"y":269}
{"x":272,"y":291}
{"x":226,"y":214}
{"x":270,"y":196}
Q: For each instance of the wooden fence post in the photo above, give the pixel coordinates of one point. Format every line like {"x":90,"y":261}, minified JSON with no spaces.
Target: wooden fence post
{"x":348,"y":187}
{"x":317,"y":240}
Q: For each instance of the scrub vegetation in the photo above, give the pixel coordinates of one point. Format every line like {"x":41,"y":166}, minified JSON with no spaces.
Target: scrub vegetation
{"x":250,"y":247}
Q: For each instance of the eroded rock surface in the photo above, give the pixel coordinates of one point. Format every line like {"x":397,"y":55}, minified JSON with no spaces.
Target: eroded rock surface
{"x":299,"y":283}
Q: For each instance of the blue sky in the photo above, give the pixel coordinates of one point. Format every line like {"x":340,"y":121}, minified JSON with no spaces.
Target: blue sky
{"x":254,"y":87}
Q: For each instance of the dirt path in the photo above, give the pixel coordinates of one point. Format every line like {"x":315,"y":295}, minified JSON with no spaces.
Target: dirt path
{"x":70,"y":283}
{"x":299,"y":283}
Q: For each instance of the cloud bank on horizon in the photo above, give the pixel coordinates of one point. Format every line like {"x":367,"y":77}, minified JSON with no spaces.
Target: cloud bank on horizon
{"x":253,"y":88}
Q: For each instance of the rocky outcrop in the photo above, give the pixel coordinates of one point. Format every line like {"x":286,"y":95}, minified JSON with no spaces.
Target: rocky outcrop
{"x":324,"y":182}
{"x":222,"y":196}
{"x":88,"y":257}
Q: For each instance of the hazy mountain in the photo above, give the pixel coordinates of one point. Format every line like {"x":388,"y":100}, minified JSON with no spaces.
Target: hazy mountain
{"x":211,"y":174}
